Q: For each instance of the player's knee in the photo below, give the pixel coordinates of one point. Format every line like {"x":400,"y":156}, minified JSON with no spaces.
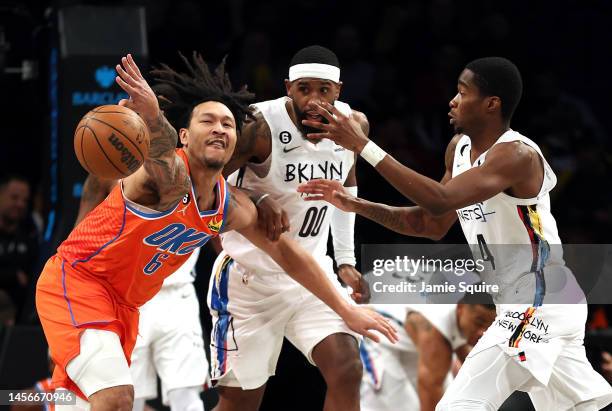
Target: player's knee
{"x":346,"y":373}
{"x":119,"y":398}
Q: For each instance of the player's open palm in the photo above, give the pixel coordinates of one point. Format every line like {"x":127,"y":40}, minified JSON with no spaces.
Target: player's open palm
{"x":363,"y":321}
{"x":142,"y":98}
{"x":331,"y":191}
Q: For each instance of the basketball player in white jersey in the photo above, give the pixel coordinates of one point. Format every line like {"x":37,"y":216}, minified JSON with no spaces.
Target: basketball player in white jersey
{"x":414,"y":372}
{"x":169,"y":342}
{"x":497,"y":182}
{"x":264,"y":305}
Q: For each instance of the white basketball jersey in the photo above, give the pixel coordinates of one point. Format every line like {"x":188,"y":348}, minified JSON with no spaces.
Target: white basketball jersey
{"x":292,"y":161}
{"x":186,"y":272}
{"x":507,"y":220}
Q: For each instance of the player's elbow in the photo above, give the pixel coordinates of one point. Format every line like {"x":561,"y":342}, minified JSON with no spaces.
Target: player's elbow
{"x":438,"y":207}
{"x":438,"y":202}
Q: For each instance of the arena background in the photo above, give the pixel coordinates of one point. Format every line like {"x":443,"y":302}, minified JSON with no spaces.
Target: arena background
{"x":400,"y":61}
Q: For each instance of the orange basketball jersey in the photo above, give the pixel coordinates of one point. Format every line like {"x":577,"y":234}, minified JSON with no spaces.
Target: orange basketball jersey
{"x":132,"y":249}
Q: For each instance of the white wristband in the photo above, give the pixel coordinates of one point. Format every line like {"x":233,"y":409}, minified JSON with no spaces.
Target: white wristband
{"x":343,"y":233}
{"x":372,"y":153}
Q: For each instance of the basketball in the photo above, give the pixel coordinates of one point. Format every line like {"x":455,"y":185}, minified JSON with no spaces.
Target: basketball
{"x":111,"y":142}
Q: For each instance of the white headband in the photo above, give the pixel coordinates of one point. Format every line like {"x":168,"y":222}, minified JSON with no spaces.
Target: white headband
{"x":315,"y":70}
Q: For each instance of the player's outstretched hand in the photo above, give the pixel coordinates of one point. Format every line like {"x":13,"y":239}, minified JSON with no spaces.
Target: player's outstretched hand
{"x":331,"y":191}
{"x":353,"y":278}
{"x":341,"y":129}
{"x":363,"y":320}
{"x":142,"y":98}
{"x":272,"y":218}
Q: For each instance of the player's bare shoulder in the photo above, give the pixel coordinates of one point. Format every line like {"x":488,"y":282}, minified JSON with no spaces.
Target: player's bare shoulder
{"x":516,"y":159}
{"x":254,"y":143}
{"x":362,"y":119}
{"x":450,"y":151}
{"x":520,"y":163}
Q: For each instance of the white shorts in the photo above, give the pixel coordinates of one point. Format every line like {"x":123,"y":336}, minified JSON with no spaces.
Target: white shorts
{"x":487,"y":379}
{"x":251,"y":314}
{"x":389,"y":378}
{"x":100,"y":364}
{"x":169,"y":344}
{"x":535,"y":337}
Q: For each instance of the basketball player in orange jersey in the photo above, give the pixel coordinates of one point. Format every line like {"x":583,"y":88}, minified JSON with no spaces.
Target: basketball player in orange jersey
{"x":117,"y":258}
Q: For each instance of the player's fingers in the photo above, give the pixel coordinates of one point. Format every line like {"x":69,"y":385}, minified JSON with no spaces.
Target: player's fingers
{"x":308,"y":189}
{"x":270,"y":230}
{"x":322,"y":110}
{"x":320,"y":183}
{"x":129,"y":69}
{"x":125,"y":86}
{"x":318,"y":125}
{"x":133,"y":65}
{"x":390,"y":331}
{"x":390,"y":334}
{"x":125,"y":76}
{"x":332,"y":109}
{"x":313,"y":191}
{"x":123,"y":102}
{"x":314,"y":198}
{"x":285,"y":221}
{"x":278,"y":227}
{"x":372,"y":336}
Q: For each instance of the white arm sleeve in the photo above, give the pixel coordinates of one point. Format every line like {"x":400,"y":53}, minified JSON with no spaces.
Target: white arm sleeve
{"x":343,"y":233}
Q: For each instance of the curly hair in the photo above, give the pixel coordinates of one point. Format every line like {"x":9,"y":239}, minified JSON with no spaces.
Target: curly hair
{"x":179,"y":93}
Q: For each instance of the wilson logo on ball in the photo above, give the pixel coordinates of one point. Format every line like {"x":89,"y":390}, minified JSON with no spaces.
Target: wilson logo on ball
{"x":127,"y":157}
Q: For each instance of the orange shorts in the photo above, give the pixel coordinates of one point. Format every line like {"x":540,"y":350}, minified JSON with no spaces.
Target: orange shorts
{"x":68,"y":302}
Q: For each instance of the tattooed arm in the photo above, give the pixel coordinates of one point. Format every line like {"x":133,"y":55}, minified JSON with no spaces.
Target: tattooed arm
{"x":95,"y":190}
{"x":163,"y":180}
{"x":253,"y":145}
{"x":302,"y":267}
{"x":435,"y":355}
{"x":413,"y":221}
